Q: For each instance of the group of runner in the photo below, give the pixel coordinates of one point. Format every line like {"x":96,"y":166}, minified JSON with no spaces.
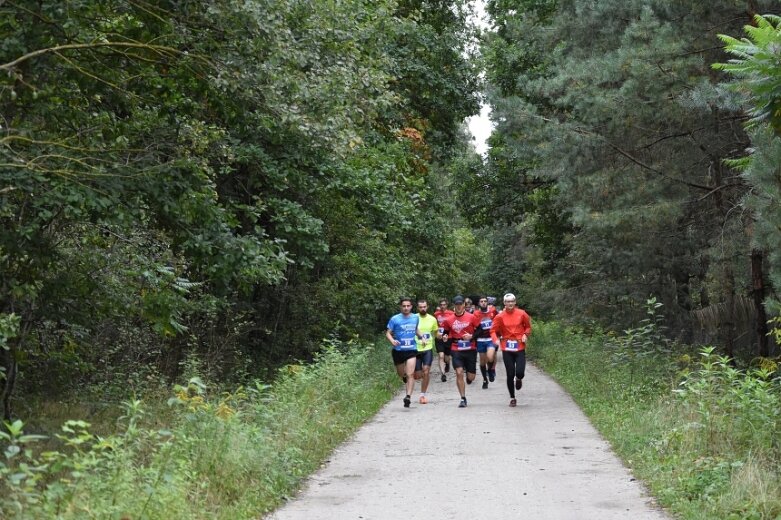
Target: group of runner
{"x":460,"y":336}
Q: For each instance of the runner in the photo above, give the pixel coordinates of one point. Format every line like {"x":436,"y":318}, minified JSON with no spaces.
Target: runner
{"x":443,"y":347}
{"x":486,"y":348}
{"x":468,"y":305}
{"x":459,"y":331}
{"x":511,"y":329}
{"x":427,"y":327}
{"x":402,"y":333}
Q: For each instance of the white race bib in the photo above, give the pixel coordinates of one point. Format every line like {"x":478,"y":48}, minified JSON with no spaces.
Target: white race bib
{"x":511,"y":344}
{"x":463,"y":344}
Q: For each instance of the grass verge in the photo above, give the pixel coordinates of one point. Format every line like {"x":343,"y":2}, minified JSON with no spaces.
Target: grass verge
{"x":232,"y":456}
{"x":704,"y":436}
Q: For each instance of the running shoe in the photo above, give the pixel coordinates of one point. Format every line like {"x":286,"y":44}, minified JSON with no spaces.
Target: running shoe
{"x":462,"y":404}
{"x":407,"y":401}
{"x":518,"y":383}
{"x":444,"y":378}
{"x":513,"y":402}
{"x":491,"y":375}
{"x":485,"y":385}
{"x":423,"y":399}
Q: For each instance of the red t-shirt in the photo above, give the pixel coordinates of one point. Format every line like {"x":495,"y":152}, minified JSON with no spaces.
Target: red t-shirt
{"x":486,"y":320}
{"x":442,"y":316}
{"x":455,"y":328}
{"x":510,"y":327}
{"x":486,"y":316}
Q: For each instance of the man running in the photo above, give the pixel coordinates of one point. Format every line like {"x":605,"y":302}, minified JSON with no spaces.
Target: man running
{"x":486,"y":348}
{"x":427,"y":327}
{"x":511,"y":329}
{"x":402,"y":332}
{"x":443,"y":347}
{"x":459,"y":331}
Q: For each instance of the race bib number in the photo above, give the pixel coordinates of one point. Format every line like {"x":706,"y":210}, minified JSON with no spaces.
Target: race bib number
{"x":427,"y":336}
{"x":407,"y":343}
{"x":463,"y":344}
{"x":486,"y":323}
{"x":511,"y":345}
{"x":441,"y":330}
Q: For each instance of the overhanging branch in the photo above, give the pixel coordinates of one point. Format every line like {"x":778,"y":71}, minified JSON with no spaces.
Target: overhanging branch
{"x":95,"y":45}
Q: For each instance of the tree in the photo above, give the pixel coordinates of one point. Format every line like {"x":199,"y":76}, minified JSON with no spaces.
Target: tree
{"x":614,"y":106}
{"x":758,"y":81}
{"x":183,"y":169}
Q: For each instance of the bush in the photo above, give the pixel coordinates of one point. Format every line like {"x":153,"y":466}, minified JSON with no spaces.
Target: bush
{"x":704,"y":435}
{"x":234,"y":455}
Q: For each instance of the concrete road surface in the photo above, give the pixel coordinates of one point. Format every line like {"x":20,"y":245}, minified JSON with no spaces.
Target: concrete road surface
{"x":540,"y":460}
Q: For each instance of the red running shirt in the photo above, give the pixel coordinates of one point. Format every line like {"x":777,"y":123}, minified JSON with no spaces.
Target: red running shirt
{"x":511,"y":326}
{"x":455,"y":328}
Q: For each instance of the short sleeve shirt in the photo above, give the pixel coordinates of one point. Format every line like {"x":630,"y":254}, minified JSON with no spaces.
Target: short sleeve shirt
{"x":404,"y":329}
{"x":428,"y":326}
{"x":457,"y":326}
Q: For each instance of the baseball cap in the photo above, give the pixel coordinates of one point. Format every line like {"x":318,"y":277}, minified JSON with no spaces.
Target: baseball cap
{"x":458,"y":300}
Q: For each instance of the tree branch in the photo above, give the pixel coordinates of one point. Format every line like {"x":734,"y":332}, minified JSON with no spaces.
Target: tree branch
{"x":654,"y":170}
{"x":56,"y":49}
{"x":717,"y":188}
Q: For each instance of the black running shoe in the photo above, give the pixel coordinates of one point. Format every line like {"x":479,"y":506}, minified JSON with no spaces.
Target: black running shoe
{"x":444,"y":378}
{"x":491,"y":375}
{"x":407,"y":401}
{"x":518,"y":383}
{"x":485,"y":385}
{"x":462,"y":404}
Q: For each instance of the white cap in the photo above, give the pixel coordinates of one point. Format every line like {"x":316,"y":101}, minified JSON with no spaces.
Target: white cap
{"x":509,"y":296}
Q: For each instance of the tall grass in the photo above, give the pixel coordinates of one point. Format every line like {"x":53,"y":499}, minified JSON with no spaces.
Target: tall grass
{"x":232,"y":456}
{"x":704,"y":436}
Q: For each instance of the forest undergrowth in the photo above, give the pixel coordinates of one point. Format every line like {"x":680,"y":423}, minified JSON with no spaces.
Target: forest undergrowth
{"x":228,"y":455}
{"x":701,"y":433}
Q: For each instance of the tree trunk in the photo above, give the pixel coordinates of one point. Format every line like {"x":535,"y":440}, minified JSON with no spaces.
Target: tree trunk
{"x":758,"y":286}
{"x":11,"y":368}
{"x":727,"y":326}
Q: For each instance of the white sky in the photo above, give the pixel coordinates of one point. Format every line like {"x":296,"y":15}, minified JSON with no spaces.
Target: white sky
{"x":480,"y":125}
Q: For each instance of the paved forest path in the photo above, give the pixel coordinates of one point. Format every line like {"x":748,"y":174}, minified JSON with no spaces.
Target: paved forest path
{"x":540,"y":460}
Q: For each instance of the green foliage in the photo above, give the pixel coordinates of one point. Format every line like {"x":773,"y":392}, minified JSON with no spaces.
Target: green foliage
{"x":756,"y":79}
{"x":607,"y":157}
{"x":9,"y":328}
{"x":702,"y":434}
{"x":217,"y":446}
{"x":755,"y":65}
{"x":735,"y":408}
{"x":208,"y":179}
{"x":647,"y":340}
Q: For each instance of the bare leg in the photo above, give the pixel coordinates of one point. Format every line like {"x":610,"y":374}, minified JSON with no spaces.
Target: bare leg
{"x":410,"y":371}
{"x":460,"y":382}
{"x":426,"y":378}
